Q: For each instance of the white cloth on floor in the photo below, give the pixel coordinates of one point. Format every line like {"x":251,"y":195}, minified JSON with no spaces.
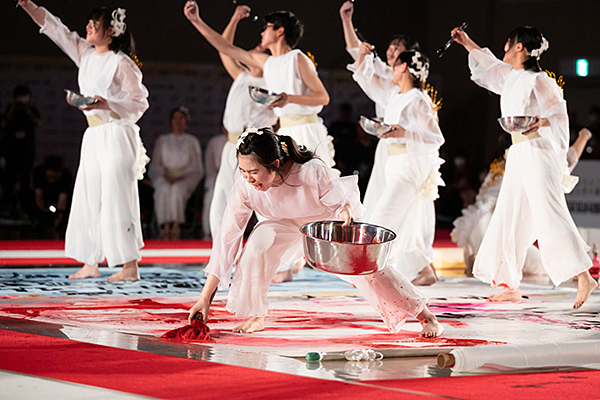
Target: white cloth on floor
{"x":282,"y":75}
{"x":175,"y":156}
{"x":531,"y":204}
{"x":105,"y":216}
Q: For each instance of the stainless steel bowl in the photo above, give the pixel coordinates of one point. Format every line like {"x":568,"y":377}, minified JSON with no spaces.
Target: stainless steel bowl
{"x":359,"y":249}
{"x":517,"y":124}
{"x":374,"y":127}
{"x":78,"y":100}
{"x":263,"y":96}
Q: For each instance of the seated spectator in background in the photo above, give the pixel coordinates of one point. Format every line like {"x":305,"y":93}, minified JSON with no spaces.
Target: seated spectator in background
{"x":19,"y":123}
{"x":53,"y":189}
{"x":212,"y":164}
{"x":176,"y":169}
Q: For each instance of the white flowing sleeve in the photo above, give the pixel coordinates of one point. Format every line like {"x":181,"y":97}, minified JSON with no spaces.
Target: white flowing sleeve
{"x":487,"y":71}
{"x":127,"y":96}
{"x":377,"y":87}
{"x":335,"y":192}
{"x":353,"y":51}
{"x":549,"y":97}
{"x":230,"y":235}
{"x":69,"y":42}
{"x":423,"y":135}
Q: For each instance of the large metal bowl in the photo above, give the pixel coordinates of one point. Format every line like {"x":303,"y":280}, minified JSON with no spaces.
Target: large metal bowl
{"x":78,"y":100}
{"x":263,"y":96}
{"x":374,"y":127}
{"x":358,"y":249}
{"x":517,"y":124}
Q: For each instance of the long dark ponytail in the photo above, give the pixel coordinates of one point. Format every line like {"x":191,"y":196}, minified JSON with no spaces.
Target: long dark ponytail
{"x":267,"y":147}
{"x":124,"y":42}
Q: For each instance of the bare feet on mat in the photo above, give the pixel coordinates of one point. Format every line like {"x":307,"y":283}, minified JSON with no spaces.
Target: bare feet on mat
{"x":129,"y":273}
{"x":254,"y":324}
{"x":283,"y":276}
{"x":509,"y":295}
{"x":585,"y":286}
{"x":87,"y":271}
{"x":431,"y":327}
{"x":426,"y":277}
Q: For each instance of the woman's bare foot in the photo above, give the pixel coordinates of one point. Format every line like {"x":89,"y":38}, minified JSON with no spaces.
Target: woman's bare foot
{"x":509,"y":295}
{"x":283,"y":276}
{"x":254,"y":324}
{"x":130,"y":272}
{"x":585,"y":286}
{"x":87,"y":271}
{"x":431,"y":327}
{"x":298,"y":265}
{"x":426,"y":277}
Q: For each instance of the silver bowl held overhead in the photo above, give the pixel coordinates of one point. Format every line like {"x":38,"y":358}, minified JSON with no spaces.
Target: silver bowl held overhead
{"x":263,"y":96}
{"x":358,"y":249}
{"x":78,"y":100}
{"x":517,"y":124}
{"x":374,"y":127}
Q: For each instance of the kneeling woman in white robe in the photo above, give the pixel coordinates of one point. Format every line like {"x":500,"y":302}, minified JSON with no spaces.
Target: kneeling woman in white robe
{"x":288,"y":187}
{"x":531,"y":203}
{"x":105,"y":216}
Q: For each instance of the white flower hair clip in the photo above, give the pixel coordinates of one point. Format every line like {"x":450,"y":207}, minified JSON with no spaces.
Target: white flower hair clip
{"x":419,"y":68}
{"x":250,"y":129}
{"x":118,"y":24}
{"x":537,"y":53}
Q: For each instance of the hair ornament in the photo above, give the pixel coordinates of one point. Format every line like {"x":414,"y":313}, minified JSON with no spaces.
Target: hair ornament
{"x":433,"y":94}
{"x":249,"y":130}
{"x":537,"y":53}
{"x":559,"y":80}
{"x":284,"y":147}
{"x":312,"y":58}
{"x":419,"y":67}
{"x":118,"y":24}
{"x":136,"y":60}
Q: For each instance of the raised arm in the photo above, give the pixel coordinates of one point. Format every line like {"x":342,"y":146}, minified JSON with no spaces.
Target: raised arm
{"x":192,"y":13}
{"x":232,"y":66}
{"x":346,"y":12}
{"x":463,"y":39}
{"x":37,"y":14}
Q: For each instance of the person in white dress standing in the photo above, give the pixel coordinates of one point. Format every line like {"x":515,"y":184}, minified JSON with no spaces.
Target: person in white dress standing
{"x":406,"y":203}
{"x":175,"y":170}
{"x":288,"y":187}
{"x":212,"y":166}
{"x":531,"y":203}
{"x":287,"y":71}
{"x":240,"y":112}
{"x":105,"y":215}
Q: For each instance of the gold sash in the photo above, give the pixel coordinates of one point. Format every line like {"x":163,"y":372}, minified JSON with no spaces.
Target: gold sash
{"x":519,"y":138}
{"x":233,"y":136}
{"x":287,"y":121}
{"x":96,"y":120}
{"x":396,"y":149}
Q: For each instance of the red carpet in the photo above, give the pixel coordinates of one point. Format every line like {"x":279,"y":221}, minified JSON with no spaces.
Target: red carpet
{"x":178,"y":378}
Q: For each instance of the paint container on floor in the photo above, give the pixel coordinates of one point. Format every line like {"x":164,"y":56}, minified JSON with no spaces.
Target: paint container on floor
{"x":576,"y":354}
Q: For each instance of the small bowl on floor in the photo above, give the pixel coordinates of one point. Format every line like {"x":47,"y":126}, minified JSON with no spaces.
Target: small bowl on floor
{"x":358,"y":249}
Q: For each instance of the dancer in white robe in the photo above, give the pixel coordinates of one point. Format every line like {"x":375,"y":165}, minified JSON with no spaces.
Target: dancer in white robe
{"x":470,"y":227}
{"x":531,"y":203}
{"x":286,"y":71}
{"x":212,"y":165}
{"x":286,"y":185}
{"x":175,"y":170}
{"x":405,"y":204}
{"x":240,"y":112}
{"x":105,"y":215}
{"x":373,"y":68}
